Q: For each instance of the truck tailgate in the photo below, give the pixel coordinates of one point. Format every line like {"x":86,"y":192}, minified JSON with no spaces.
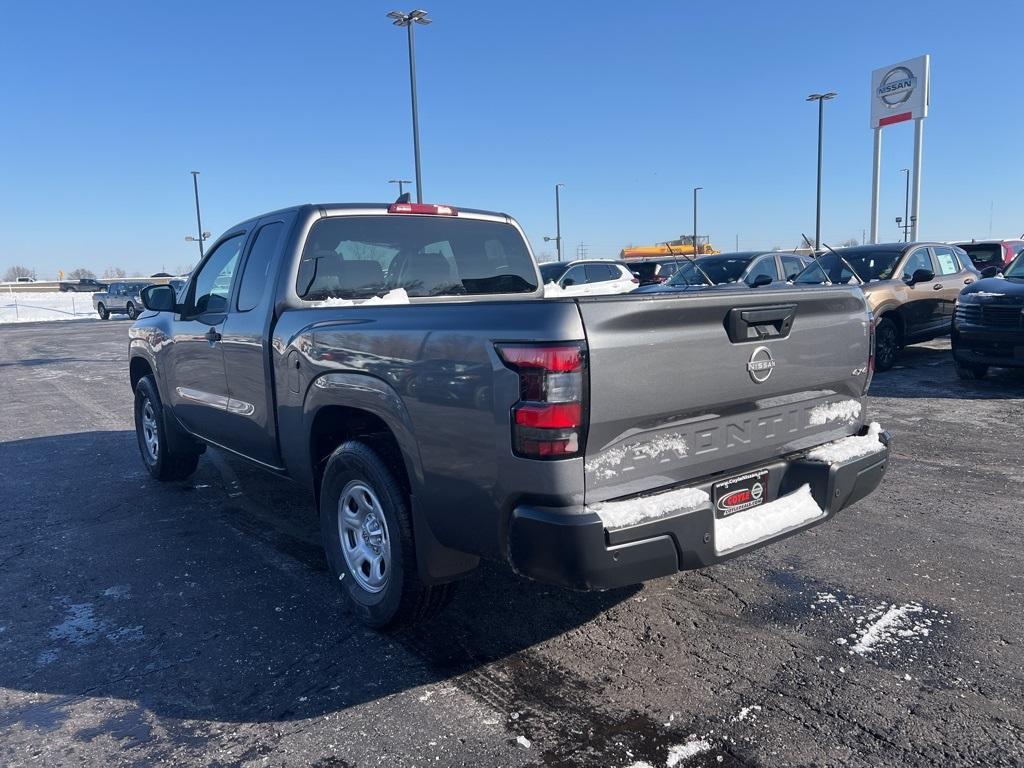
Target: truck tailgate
{"x":687,"y":385}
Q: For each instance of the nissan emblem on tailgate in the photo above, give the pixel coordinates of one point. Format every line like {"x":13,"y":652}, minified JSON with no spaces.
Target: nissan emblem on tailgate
{"x":760,"y":365}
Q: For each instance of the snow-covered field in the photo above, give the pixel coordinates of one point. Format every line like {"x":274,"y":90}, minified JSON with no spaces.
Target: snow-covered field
{"x":34,"y":307}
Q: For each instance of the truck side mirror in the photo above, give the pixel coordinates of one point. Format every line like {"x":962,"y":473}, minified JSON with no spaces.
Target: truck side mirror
{"x":990,"y":271}
{"x":761,"y":280}
{"x":159,"y":298}
{"x":567,"y":282}
{"x":921,"y":276}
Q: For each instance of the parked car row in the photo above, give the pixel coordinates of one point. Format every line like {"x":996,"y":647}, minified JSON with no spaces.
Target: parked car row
{"x":915,"y":291}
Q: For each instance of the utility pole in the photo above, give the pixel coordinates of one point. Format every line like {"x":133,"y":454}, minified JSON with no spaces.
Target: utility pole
{"x":821,"y":98}
{"x":695,"y":191}
{"x":558,"y":222}
{"x":408,"y":20}
{"x":199,"y":221}
{"x":906,"y":205}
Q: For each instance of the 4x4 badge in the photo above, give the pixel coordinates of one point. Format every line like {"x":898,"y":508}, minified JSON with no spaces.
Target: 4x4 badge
{"x":760,"y":365}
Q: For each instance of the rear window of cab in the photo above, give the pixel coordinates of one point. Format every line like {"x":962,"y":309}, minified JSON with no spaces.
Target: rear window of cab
{"x":358,"y":257}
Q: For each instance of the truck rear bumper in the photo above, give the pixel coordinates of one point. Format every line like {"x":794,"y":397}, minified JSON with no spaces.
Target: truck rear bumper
{"x":572,"y":548}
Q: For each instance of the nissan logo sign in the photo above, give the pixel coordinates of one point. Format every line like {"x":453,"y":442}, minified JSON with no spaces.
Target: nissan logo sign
{"x":760,"y":365}
{"x":896,"y":87}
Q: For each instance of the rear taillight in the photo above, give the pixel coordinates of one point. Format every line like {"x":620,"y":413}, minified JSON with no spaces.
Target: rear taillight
{"x":871,"y":353}
{"x":549,"y":419}
{"x":433,"y":210}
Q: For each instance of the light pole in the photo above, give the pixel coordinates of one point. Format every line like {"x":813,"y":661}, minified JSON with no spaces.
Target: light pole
{"x":695,"y":191}
{"x":199,"y":220}
{"x":401,"y":185}
{"x":906,"y":205}
{"x":821,"y":98}
{"x":408,"y":20}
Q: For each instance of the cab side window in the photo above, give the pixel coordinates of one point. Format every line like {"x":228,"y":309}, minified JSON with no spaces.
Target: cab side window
{"x":792,"y":266}
{"x":601,"y":273}
{"x":575,"y":276}
{"x":256,"y":273}
{"x":919,"y":259}
{"x":946,"y":260}
{"x":763,"y":266}
{"x":212,"y":284}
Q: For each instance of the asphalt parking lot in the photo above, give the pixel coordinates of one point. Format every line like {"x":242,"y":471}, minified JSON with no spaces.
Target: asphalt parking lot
{"x":193,"y":623}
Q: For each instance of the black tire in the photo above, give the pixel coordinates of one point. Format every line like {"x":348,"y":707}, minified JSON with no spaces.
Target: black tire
{"x":887,"y":344}
{"x":969,"y":372}
{"x":162,"y":462}
{"x":103,"y":313}
{"x":132,"y":311}
{"x":403,"y":599}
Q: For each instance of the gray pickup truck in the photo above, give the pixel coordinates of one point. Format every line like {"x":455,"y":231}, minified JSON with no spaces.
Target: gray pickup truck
{"x":404,"y":363}
{"x":118,"y":298}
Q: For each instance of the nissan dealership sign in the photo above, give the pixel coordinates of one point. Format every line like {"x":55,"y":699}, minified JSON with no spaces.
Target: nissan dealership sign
{"x":900,"y":92}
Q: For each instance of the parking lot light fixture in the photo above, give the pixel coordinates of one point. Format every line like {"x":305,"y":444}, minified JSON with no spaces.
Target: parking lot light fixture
{"x":401,"y":185}
{"x":410,"y":20}
{"x":821,"y":98}
{"x":199,"y":220}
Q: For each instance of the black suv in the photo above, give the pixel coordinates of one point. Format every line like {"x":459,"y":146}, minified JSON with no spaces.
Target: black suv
{"x":988,"y":323}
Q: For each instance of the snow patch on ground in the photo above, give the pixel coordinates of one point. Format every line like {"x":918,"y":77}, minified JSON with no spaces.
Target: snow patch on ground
{"x":118,"y":592}
{"x":748,"y":712}
{"x":844,"y":410}
{"x":888,"y":627}
{"x":126,"y":635}
{"x":849,"y":448}
{"x":752,"y":525}
{"x":80,"y":626}
{"x":619,"y":514}
{"x":524,"y":742}
{"x":662,"y":448}
{"x":51,"y":305}
{"x":681,"y":752}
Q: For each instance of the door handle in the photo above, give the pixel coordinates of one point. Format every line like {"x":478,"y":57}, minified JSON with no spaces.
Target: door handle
{"x":968,"y":281}
{"x":213,"y":336}
{"x":937,"y":287}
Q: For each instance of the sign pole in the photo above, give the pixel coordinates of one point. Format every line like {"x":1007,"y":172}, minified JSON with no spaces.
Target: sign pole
{"x":876,"y":180}
{"x":915,"y":216}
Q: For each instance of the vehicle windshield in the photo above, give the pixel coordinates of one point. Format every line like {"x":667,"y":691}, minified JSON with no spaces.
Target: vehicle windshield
{"x":724,"y":269}
{"x":358,"y":257}
{"x":1016,"y":268}
{"x":688,"y":274}
{"x":863,"y":265}
{"x":553,"y":271}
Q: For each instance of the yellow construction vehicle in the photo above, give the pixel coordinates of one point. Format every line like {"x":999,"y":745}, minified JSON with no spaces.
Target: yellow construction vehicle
{"x":681,"y":247}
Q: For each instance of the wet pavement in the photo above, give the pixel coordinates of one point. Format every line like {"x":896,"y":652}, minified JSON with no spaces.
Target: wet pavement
{"x":193,"y":623}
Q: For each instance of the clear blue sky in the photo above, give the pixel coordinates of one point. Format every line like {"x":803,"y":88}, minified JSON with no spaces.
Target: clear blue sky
{"x":108,"y":106}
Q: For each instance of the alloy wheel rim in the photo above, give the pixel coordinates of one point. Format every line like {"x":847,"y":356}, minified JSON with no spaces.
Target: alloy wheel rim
{"x":886,"y":345}
{"x":365,"y":541}
{"x":150,"y":431}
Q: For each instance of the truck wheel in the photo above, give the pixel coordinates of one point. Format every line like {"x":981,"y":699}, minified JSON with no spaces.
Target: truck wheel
{"x":162,"y":462}
{"x":103,"y":313}
{"x":887,"y":344}
{"x":969,"y":372}
{"x":366,"y":529}
{"x":132,"y":311}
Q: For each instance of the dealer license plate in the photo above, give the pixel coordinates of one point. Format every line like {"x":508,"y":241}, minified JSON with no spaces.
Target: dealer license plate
{"x":740,"y":493}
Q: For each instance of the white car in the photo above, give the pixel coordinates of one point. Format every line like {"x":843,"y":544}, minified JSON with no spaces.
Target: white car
{"x":592,"y":277}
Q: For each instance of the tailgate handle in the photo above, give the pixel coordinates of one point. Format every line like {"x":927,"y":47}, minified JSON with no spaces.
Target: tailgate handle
{"x":754,"y":324}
